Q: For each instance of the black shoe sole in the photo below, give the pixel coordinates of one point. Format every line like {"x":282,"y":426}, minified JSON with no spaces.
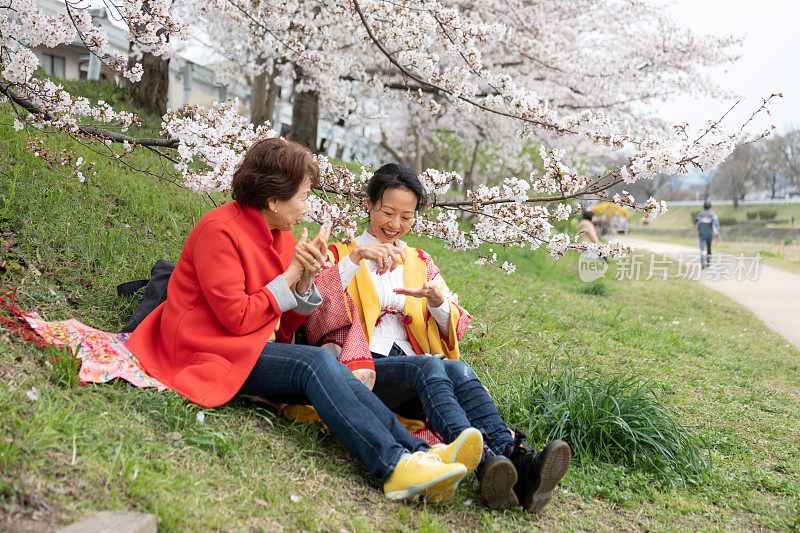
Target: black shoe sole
{"x":498,"y":478}
{"x":554,"y":467}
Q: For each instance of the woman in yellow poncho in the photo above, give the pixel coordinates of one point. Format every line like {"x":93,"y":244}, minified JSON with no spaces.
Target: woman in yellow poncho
{"x":388,"y":314}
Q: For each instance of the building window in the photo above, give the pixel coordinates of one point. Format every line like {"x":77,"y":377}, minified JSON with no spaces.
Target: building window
{"x":54,"y":65}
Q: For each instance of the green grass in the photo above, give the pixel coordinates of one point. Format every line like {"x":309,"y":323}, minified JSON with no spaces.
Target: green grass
{"x":616,"y":420}
{"x":728,"y":382}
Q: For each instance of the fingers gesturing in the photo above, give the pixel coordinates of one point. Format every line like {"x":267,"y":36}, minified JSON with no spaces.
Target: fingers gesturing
{"x":429,"y":290}
{"x":386,"y":256}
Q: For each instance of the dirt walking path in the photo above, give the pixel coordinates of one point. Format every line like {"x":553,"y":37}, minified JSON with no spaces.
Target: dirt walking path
{"x":771,"y":293}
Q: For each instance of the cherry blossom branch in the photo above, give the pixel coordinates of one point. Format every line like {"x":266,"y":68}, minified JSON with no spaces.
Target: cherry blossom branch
{"x":409,"y":74}
{"x":6,"y":89}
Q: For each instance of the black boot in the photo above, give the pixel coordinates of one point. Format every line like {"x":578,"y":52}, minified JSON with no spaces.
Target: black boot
{"x":538,"y":472}
{"x":497,"y":477}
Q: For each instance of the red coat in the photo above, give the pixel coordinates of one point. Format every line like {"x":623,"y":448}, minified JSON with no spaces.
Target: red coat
{"x":205,"y":339}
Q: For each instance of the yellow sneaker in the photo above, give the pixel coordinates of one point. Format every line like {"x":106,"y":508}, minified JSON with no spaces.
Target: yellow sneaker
{"x":467,"y":450}
{"x":422,"y":472}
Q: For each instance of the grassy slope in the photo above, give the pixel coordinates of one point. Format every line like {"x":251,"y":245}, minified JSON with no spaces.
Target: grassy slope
{"x":81,"y":449}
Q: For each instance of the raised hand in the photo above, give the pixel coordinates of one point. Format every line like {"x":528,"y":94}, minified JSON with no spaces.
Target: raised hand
{"x":321,"y":240}
{"x":386,"y":256}
{"x":311,"y":255}
{"x":295,"y":269}
{"x":429,"y":290}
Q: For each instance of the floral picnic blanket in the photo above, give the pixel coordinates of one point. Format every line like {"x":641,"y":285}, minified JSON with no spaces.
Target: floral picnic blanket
{"x":103,"y":355}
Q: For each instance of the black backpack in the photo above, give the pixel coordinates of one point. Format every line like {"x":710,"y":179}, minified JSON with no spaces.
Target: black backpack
{"x":155,"y":292}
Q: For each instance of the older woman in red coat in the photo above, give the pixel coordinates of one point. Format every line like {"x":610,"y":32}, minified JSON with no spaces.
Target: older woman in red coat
{"x":242,"y":283}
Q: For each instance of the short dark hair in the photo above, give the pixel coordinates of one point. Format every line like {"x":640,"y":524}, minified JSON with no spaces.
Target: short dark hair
{"x":394,"y":176}
{"x":587,"y":214}
{"x":707,"y":204}
{"x":272,"y":168}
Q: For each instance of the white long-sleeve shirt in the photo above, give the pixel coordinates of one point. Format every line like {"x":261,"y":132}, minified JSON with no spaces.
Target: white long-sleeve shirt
{"x":390,"y":329}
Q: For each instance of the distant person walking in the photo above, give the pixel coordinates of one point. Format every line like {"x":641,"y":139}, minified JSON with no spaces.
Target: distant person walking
{"x":707,"y":228}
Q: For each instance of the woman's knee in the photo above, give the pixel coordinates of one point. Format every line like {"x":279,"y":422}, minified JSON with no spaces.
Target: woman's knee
{"x":430,"y":367}
{"x":320,"y":360}
{"x":458,"y":371}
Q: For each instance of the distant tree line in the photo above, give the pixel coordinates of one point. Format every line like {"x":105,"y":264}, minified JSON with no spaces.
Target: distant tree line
{"x":770,"y":165}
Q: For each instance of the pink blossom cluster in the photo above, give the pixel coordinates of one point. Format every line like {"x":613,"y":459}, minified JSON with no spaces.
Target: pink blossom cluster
{"x":338,"y":201}
{"x":68,"y":112}
{"x":152,"y":25}
{"x":557,"y":178}
{"x":216,"y":137}
{"x":437,"y":182}
{"x":613,"y":249}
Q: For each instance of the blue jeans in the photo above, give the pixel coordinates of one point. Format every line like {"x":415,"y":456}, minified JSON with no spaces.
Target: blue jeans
{"x":451,"y":395}
{"x":298,"y":374}
{"x":705,"y":249}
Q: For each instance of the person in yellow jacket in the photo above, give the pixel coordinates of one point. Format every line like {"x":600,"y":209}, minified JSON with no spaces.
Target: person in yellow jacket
{"x":388,"y":315}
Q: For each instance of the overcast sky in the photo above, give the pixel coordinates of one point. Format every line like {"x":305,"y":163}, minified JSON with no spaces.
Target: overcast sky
{"x":770,"y":59}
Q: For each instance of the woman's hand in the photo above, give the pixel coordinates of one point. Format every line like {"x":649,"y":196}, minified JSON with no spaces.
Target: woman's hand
{"x":429,"y":290}
{"x":387,"y":256}
{"x":321,"y":240}
{"x":295,"y":268}
{"x":311,"y":256}
{"x":308,"y":259}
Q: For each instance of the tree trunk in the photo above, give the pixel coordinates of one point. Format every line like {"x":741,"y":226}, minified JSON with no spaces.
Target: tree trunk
{"x":305,"y":115}
{"x":150,"y":93}
{"x":272,"y":94}
{"x":417,"y":167}
{"x":264,"y":92}
{"x":469,"y":176}
{"x":258,"y":95}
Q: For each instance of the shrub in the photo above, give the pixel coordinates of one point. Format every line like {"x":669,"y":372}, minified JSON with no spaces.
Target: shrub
{"x":595,"y":288}
{"x":613,"y":419}
{"x":727,"y":221}
{"x":788,"y":240}
{"x":767,"y":214}
{"x":751,"y":215}
{"x":693,"y":214}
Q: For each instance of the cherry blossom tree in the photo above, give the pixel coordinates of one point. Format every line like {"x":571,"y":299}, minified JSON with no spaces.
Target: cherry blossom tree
{"x":548,"y":73}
